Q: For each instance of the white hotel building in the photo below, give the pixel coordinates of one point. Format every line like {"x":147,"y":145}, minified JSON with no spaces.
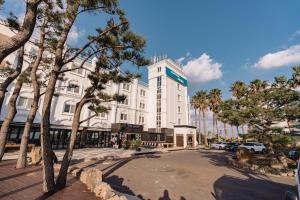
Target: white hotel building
{"x":157,"y":111}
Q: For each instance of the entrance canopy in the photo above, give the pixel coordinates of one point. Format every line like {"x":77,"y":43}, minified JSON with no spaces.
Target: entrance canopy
{"x":126,"y":128}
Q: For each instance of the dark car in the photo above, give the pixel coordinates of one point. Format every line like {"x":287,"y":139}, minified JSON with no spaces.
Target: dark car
{"x":232,"y":146}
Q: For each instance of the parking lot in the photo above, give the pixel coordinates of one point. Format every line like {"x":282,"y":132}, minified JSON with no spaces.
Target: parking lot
{"x":191,"y":175}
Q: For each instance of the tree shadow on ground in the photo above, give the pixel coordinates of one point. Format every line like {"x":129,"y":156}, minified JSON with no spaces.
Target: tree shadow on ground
{"x":235,"y":188}
{"x":253,"y":186}
{"x":117,"y":183}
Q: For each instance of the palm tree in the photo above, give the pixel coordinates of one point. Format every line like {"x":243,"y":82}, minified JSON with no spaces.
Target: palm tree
{"x":203,"y":106}
{"x":238,"y":89}
{"x":214,"y":99}
{"x":223,"y":115}
{"x":195,"y":104}
{"x":280,"y":82}
{"x":294,"y":82}
{"x":257,"y":85}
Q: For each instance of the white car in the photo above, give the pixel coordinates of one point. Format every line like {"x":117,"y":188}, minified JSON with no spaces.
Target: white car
{"x":255,"y":147}
{"x":219,"y":145}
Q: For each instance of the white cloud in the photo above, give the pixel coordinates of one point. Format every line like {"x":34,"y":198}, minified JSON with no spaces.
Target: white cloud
{"x":202,"y":69}
{"x":294,"y":36}
{"x":180,"y":60}
{"x":74,"y":35}
{"x":287,"y":57}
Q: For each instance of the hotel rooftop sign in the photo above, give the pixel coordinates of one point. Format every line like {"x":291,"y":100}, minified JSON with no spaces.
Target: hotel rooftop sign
{"x":176,"y":77}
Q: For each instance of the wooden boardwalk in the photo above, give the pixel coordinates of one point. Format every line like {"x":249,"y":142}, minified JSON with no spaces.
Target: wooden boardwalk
{"x":23,"y":184}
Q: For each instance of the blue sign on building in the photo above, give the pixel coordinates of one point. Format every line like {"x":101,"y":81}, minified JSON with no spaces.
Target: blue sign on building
{"x":176,"y":77}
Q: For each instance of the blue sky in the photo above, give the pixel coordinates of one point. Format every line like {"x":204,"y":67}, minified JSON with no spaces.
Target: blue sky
{"x":217,"y":41}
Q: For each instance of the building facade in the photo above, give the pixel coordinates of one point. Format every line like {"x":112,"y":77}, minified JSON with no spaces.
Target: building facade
{"x":156,"y":106}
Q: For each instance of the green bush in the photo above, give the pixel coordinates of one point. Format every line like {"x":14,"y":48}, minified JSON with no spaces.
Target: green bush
{"x":285,"y":141}
{"x":132,"y":144}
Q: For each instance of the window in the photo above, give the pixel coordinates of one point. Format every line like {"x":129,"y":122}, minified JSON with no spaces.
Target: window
{"x":159,"y":82}
{"x":179,"y":97}
{"x":159,"y":69}
{"x":179,"y":121}
{"x":25,"y":102}
{"x":123,"y":116}
{"x":69,"y":108}
{"x":103,"y":115}
{"x":179,"y":109}
{"x":78,"y":71}
{"x":126,"y":86}
{"x":142,"y":93}
{"x":178,"y":87}
{"x":125,"y":102}
{"x":74,"y":88}
{"x":142,"y":105}
{"x":141,"y":119}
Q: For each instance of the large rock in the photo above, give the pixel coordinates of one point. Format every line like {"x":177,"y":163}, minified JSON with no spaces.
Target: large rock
{"x":243,"y":155}
{"x":277,"y":166}
{"x":283,"y":160}
{"x":116,"y":197}
{"x":104,"y":191}
{"x":36,"y":155}
{"x":83,"y":176}
{"x":93,"y":178}
{"x":56,"y":167}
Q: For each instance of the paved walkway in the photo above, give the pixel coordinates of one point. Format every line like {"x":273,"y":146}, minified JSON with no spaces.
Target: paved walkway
{"x":88,"y":154}
{"x":26,"y":184}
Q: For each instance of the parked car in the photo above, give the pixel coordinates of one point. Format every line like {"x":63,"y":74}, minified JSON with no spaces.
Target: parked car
{"x":294,"y":154}
{"x":255,"y":147}
{"x":219,"y":145}
{"x":231,"y":146}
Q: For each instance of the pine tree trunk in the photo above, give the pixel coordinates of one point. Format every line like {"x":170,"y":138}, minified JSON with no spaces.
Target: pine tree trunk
{"x":11,"y":44}
{"x":62,"y":176}
{"x":21,"y":162}
{"x":4,"y":85}
{"x":12,"y":110}
{"x":48,"y":171}
{"x":232,"y":134}
{"x":204,"y":128}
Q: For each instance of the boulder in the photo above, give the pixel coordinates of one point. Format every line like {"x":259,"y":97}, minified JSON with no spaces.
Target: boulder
{"x":254,"y":167}
{"x":283,"y":159}
{"x":104,"y":191}
{"x":291,"y":173}
{"x":277,"y":166}
{"x":36,"y":155}
{"x":94,"y":177}
{"x":56,"y":167}
{"x":83,"y":177}
{"x":116,"y":197}
{"x":243,"y":155}
{"x":76,"y":172}
{"x":71,"y":168}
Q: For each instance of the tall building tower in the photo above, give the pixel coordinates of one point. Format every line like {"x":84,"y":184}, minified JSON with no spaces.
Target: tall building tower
{"x":168,"y":104}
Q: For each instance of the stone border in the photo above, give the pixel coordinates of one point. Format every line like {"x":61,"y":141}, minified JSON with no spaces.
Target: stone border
{"x":92,"y":178}
{"x":263,"y":170}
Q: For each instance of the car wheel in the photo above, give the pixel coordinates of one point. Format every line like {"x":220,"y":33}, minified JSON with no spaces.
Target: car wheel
{"x":220,"y":148}
{"x":264,"y":151}
{"x":252,"y":150}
